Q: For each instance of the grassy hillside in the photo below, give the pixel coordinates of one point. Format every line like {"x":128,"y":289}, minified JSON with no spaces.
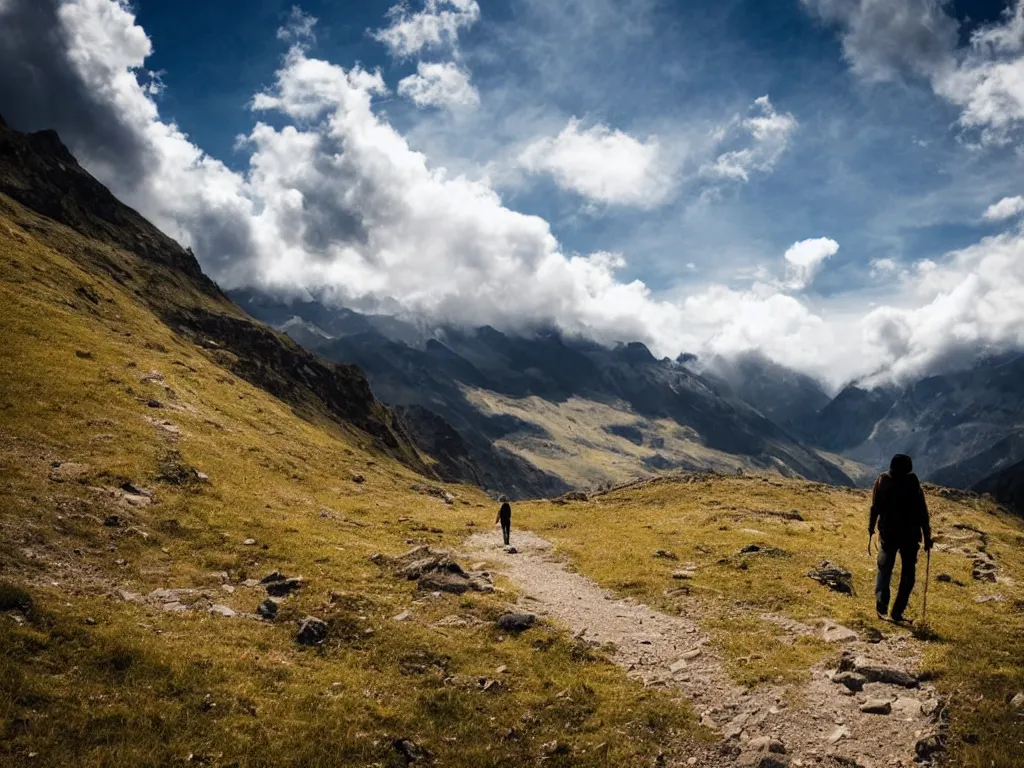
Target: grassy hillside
{"x":97,"y":392}
{"x":705,"y":521}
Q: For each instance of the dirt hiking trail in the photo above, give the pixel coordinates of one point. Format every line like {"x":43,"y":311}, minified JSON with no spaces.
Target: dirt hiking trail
{"x":819,"y":722}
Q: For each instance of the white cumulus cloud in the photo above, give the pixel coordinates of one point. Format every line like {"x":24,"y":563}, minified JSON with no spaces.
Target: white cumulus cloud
{"x":604,"y":165}
{"x":1007,"y":208}
{"x":439,"y":85}
{"x":804,"y":259}
{"x":437,"y":25}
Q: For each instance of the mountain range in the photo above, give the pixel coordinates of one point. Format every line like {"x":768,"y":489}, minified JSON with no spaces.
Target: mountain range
{"x":537,"y":414}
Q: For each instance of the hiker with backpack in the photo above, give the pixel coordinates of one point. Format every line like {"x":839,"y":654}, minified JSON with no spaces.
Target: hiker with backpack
{"x":505,"y":518}
{"x":899,"y":510}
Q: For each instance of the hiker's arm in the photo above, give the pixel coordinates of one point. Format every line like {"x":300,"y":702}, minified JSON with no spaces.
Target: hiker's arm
{"x":926,"y":524}
{"x":874,"y":508}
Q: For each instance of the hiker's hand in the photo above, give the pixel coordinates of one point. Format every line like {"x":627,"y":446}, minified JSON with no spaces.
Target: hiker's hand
{"x":928,"y":544}
{"x":870,"y":537}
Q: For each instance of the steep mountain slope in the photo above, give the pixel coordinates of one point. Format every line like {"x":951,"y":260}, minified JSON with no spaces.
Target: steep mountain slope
{"x":849,"y":418}
{"x":37,"y":171}
{"x":958,"y":426}
{"x":160,"y":453}
{"x":511,"y":391}
{"x":1006,"y":485}
{"x":789,"y":398}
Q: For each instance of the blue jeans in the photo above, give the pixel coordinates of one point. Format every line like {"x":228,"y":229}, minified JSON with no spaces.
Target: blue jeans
{"x":908,"y":571}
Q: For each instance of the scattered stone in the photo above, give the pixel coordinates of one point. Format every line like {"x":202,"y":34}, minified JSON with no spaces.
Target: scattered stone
{"x":665,"y":554}
{"x":767,"y":744}
{"x":873,"y":636}
{"x":989,"y":599}
{"x":909,"y":707}
{"x":682,"y":575}
{"x":516,"y":622}
{"x":875,"y":674}
{"x":358,"y":479}
{"x":944,"y":578}
{"x":555,"y":748}
{"x":249,"y":543}
{"x":250,"y":583}
{"x":267,"y":609}
{"x":284,"y":587}
{"x":877,"y":707}
{"x":153,"y":377}
{"x":984,"y":568}
{"x":501,"y":670}
{"x":930,"y":746}
{"x":412,"y":753}
{"x":228,"y":588}
{"x":510,"y":550}
{"x":208,"y":703}
{"x":1017,"y":702}
{"x":444,"y":581}
{"x":840,"y":733}
{"x":175,"y":607}
{"x":574,"y":496}
{"x":851,"y":680}
{"x":112,"y":521}
{"x":836,"y":633}
{"x":130,"y":597}
{"x":403,"y":616}
{"x":83,"y":354}
{"x":678,"y":666}
{"x":491,"y":685}
{"x":223,"y":610}
{"x":312,"y":631}
{"x":833,"y":576}
{"x":272,"y":577}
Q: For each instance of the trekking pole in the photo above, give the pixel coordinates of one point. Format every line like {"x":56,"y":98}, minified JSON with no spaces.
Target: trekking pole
{"x":927,"y":578}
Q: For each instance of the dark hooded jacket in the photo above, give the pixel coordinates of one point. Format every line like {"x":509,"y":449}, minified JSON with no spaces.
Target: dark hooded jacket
{"x":898,"y":506}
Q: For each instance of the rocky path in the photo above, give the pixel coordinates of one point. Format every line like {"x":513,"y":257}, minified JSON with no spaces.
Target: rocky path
{"x":820,"y":722}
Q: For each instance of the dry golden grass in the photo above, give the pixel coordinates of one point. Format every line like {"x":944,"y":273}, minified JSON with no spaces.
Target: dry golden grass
{"x":90,"y":680}
{"x":706,"y":521}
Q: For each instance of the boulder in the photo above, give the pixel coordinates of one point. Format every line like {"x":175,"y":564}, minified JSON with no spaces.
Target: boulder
{"x":840,"y":733}
{"x":836,"y":633}
{"x":267,"y":609}
{"x":929,"y":746}
{"x":851,"y":680}
{"x":412,"y":753}
{"x":442,"y":581}
{"x":888,"y":675}
{"x":312,"y":631}
{"x":223,"y":610}
{"x":516,"y":622}
{"x":877,"y":707}
{"x":284,"y":587}
{"x":833,"y":576}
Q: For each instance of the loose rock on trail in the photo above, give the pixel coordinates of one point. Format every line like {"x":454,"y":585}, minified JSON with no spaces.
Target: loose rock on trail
{"x":825,"y":721}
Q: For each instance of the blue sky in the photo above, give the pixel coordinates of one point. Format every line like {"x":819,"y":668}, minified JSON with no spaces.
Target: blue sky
{"x":809,"y":178}
{"x":861,"y":150}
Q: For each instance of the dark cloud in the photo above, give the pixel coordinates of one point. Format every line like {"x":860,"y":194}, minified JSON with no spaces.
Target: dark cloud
{"x":40,"y":89}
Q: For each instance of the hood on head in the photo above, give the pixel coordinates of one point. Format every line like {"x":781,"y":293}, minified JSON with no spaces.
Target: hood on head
{"x":900,"y":465}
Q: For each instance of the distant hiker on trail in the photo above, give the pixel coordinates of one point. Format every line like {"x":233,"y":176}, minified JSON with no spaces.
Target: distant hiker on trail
{"x":901,"y":514}
{"x":505,"y":518}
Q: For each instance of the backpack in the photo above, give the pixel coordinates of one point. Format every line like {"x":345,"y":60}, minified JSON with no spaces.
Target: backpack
{"x":899,"y":503}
